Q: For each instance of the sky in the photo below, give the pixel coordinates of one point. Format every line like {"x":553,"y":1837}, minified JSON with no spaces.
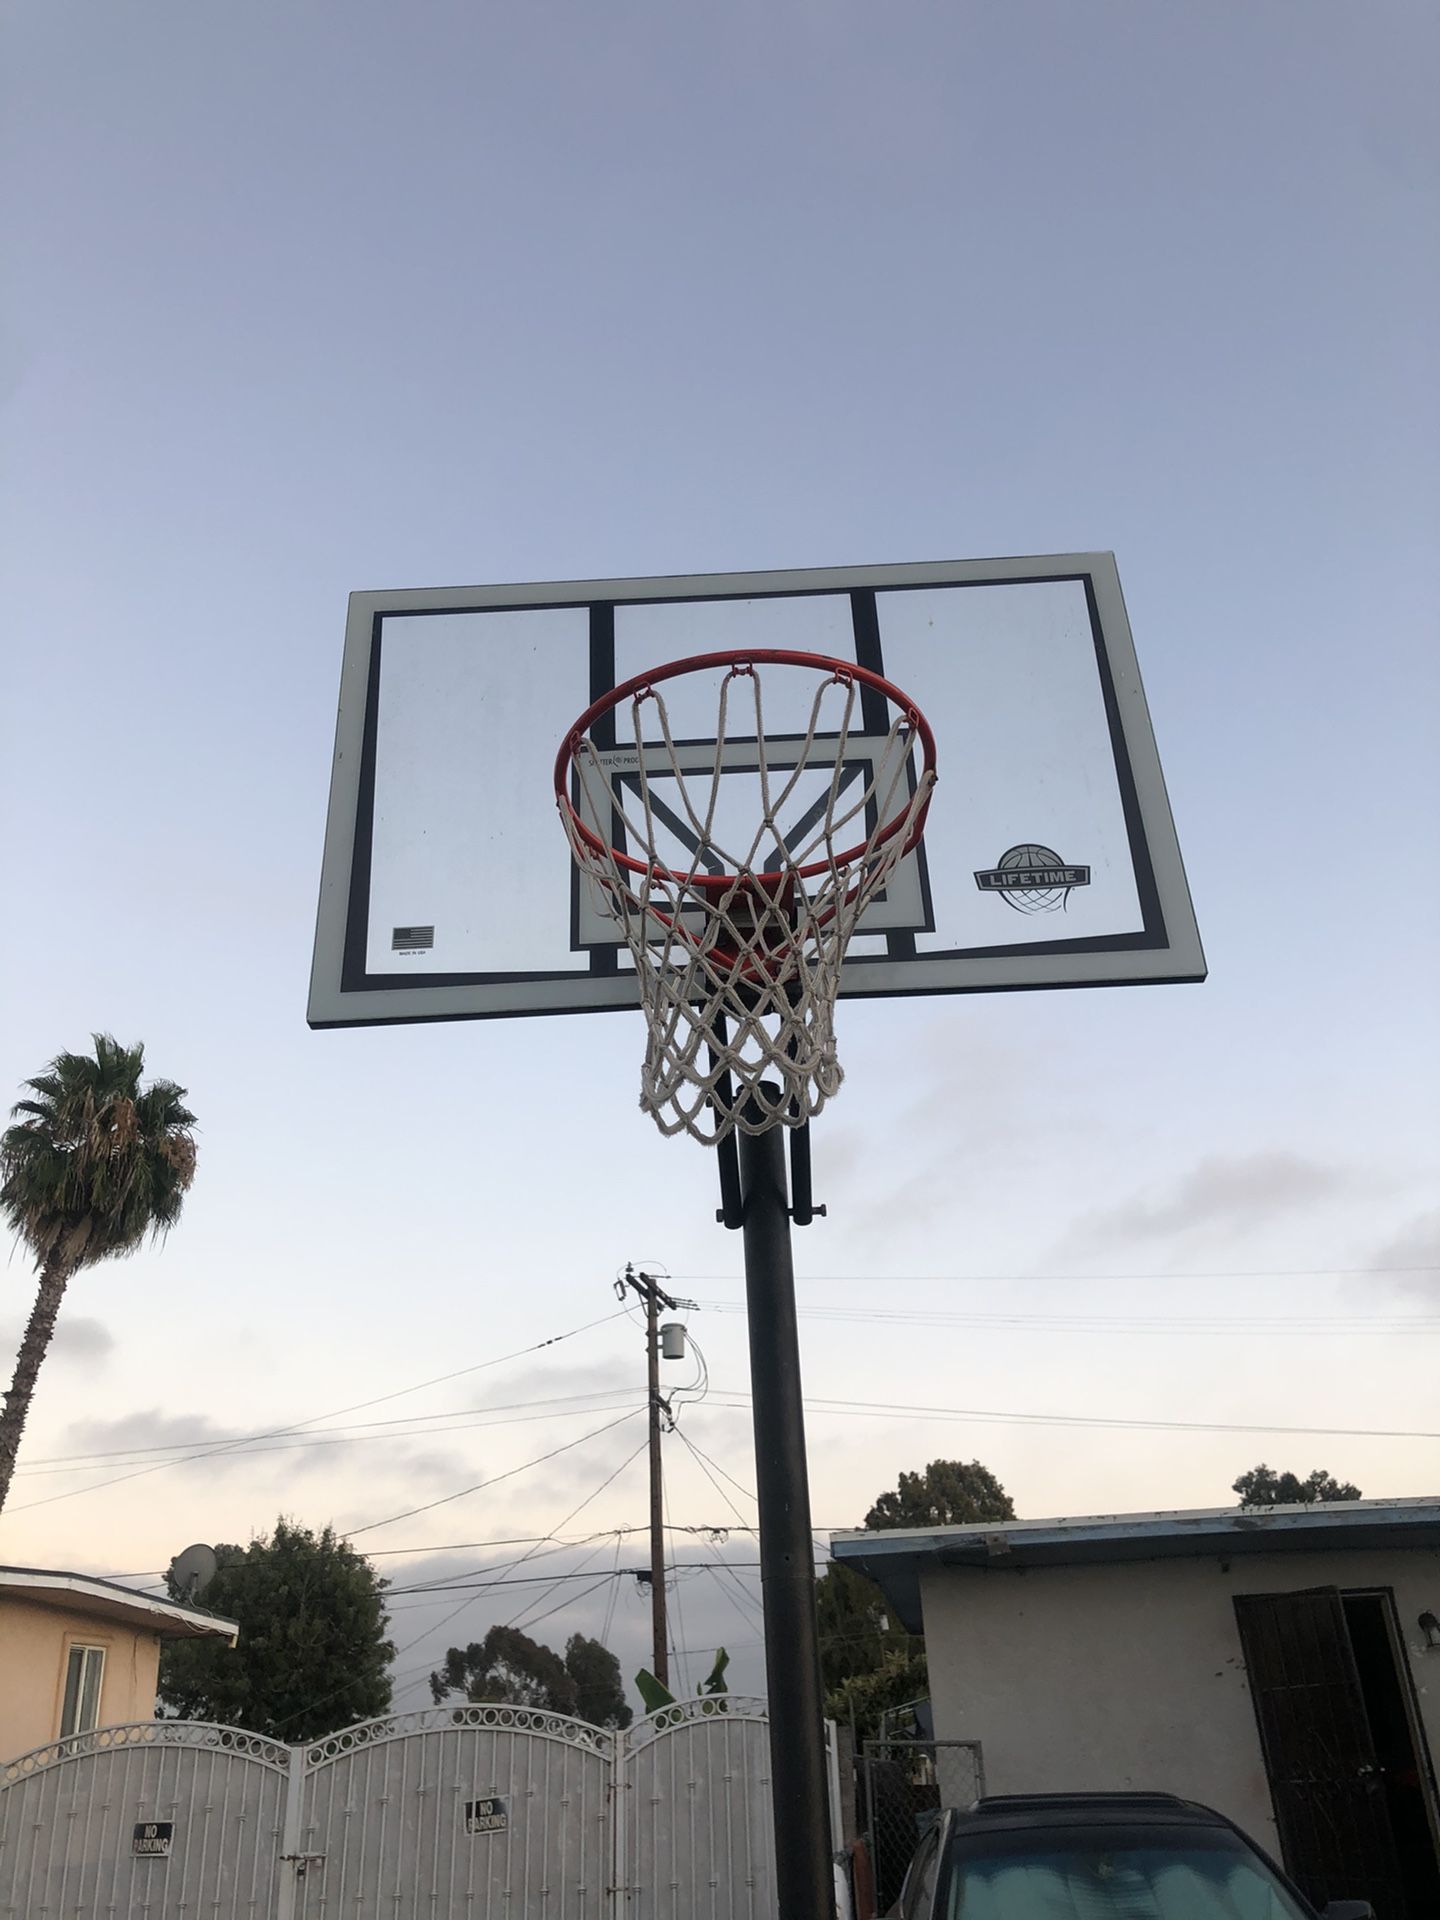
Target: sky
{"x":304,"y":300}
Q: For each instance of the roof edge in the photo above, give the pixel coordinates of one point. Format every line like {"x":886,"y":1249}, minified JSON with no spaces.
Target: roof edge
{"x":183,"y":1621}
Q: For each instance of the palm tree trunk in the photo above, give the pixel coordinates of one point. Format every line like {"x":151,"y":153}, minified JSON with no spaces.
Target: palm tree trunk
{"x":51,"y":1291}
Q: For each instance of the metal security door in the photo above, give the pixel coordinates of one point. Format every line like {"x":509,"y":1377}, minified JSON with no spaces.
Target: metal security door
{"x":163,"y":1818}
{"x":1319,"y":1756}
{"x":695,"y":1835}
{"x":481,"y":1811}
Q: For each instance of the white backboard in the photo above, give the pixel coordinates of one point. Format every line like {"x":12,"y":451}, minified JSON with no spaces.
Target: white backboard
{"x":1049,"y":859}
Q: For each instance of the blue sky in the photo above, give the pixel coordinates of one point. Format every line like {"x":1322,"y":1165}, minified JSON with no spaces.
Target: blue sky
{"x":304,"y":300}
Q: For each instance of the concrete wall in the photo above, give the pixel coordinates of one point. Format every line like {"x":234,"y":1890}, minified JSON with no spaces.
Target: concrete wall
{"x":35,"y":1645}
{"x":1131,"y":1677}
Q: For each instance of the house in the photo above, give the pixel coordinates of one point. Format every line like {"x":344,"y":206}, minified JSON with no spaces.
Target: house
{"x":1280,"y":1664}
{"x":77,"y":1653}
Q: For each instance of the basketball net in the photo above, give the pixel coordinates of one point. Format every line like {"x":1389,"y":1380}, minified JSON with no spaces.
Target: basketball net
{"x":738,"y":949}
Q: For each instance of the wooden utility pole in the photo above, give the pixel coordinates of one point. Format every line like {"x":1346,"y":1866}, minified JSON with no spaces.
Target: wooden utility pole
{"x":654,"y":1297}
{"x":660,"y":1659}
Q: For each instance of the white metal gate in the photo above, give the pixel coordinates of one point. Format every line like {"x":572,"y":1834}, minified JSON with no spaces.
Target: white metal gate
{"x":490,"y":1812}
{"x":391,"y":1829}
{"x":166,"y":1817}
{"x":695,"y":1828}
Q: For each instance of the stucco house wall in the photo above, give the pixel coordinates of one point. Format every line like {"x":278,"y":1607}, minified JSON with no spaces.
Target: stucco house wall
{"x":35,"y":1643}
{"x":45,"y":1613}
{"x":1130,"y":1676}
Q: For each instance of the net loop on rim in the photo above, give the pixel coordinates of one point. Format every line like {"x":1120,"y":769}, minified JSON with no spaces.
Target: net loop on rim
{"x":736,"y":873}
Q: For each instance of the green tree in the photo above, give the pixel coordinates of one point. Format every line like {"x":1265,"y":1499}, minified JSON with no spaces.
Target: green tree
{"x":949,"y":1493}
{"x":508,"y":1666}
{"x":869,"y":1664}
{"x":92,"y":1164}
{"x":1263,"y":1487}
{"x":599,"y":1689}
{"x":312,"y":1654}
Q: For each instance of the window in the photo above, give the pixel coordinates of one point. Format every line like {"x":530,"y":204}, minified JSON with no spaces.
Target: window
{"x":81,"y":1711}
{"x":1114,"y":1873}
{"x":919,"y":1893}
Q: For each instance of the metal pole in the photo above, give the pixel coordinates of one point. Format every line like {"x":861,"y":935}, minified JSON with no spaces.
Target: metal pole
{"x":804,"y":1880}
{"x":660,"y":1655}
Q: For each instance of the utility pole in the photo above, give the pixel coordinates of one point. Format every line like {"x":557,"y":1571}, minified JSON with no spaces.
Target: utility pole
{"x":654,"y":1297}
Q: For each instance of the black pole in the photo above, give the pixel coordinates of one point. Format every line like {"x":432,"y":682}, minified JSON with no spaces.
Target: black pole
{"x":804,"y":1875}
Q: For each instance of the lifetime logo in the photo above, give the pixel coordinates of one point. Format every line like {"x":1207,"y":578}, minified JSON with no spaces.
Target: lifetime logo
{"x":1035,"y":870}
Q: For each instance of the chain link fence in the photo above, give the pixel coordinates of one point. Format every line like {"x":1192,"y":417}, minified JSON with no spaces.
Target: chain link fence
{"x":903,"y":1786}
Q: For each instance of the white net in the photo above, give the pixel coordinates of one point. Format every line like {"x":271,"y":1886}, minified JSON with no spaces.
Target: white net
{"x":737,"y":871}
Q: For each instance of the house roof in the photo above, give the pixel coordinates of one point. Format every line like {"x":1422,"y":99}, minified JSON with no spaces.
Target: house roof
{"x":895,"y":1561}
{"x":107,"y":1600}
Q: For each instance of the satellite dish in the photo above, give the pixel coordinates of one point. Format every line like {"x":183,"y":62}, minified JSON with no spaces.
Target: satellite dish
{"x":193,"y":1570}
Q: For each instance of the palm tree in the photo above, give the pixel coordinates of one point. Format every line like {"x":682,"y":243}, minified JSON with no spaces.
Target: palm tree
{"x":93,"y":1164}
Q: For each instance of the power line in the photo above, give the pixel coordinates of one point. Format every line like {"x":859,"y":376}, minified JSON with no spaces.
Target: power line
{"x":753,"y":1498}
{"x":429,"y":1506}
{"x":426,"y":1633}
{"x":1083,"y":1279}
{"x":681,"y":1676}
{"x":705,"y":1469}
{"x":595,"y":1402}
{"x":450,"y":1582}
{"x":514,"y":1540}
{"x":455,"y":1612}
{"x":735,"y":1401}
{"x":1177,"y":1326}
{"x":594,"y":1494}
{"x":335,"y":1413}
{"x":613,"y":1594}
{"x":524,"y":1615}
{"x":576,"y":1573}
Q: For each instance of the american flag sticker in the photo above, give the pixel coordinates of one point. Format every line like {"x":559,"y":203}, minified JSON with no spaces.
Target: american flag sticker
{"x":412,"y":939}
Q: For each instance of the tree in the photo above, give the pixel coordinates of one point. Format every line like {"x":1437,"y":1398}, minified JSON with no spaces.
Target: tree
{"x":857,"y":1631}
{"x":949,"y":1493}
{"x":869,"y":1664}
{"x":312,"y":1654}
{"x":1263,"y":1487}
{"x":93,"y":1165}
{"x":599,"y":1690}
{"x":507,"y":1666}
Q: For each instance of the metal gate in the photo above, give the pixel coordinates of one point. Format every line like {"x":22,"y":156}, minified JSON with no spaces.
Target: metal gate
{"x":1335,"y":1830}
{"x":483,"y":1811}
{"x":493,"y":1812}
{"x":696,"y":1830}
{"x":166,"y":1817}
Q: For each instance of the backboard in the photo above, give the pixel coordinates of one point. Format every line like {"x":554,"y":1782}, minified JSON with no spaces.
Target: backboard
{"x":1049,"y":860}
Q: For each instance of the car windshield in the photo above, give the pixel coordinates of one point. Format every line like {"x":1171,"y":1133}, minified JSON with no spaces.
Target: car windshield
{"x":1112,"y":1873}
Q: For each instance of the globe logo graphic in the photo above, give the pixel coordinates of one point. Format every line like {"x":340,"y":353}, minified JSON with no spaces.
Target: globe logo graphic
{"x":1032,"y":878}
{"x":1033,"y":899}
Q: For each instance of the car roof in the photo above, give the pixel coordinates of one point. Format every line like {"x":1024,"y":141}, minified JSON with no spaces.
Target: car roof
{"x":1031,"y":1810}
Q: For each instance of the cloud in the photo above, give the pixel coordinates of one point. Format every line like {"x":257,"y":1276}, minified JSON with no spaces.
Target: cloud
{"x":559,"y":1380}
{"x":385,"y":1461}
{"x":1222,"y":1194}
{"x":77,"y":1338}
{"x":1416,"y":1245}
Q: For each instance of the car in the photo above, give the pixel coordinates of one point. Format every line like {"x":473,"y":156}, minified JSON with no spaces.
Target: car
{"x":1106,"y":1856}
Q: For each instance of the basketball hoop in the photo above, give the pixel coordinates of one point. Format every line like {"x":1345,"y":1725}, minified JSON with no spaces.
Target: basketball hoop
{"x":755,"y":858}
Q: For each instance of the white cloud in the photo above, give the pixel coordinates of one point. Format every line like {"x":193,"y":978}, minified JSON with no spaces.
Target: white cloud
{"x":1222,"y":1194}
{"x":78,"y":1339}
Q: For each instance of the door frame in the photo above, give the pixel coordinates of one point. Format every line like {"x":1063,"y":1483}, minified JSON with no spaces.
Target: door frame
{"x":1405,"y":1673}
